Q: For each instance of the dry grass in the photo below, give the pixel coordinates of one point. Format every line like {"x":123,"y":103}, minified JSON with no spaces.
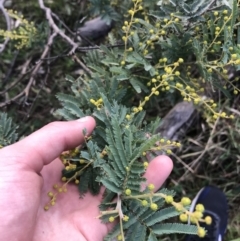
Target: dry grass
{"x":210,"y":154}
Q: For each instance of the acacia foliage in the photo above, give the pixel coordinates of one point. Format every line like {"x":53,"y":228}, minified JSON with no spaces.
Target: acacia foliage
{"x":125,"y":79}
{"x":159,"y":44}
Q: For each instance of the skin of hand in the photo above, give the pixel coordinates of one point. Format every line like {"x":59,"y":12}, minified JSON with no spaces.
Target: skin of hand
{"x":28,"y":171}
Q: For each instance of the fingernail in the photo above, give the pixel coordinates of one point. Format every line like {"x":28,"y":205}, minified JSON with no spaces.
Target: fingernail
{"x":84,"y":119}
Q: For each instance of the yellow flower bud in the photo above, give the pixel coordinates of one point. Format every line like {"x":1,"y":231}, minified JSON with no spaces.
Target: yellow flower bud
{"x":183,"y":217}
{"x":201,"y":232}
{"x":169,"y":199}
{"x":208,"y":220}
{"x":154,"y":206}
{"x":111,"y":219}
{"x":128,"y":192}
{"x":151,"y":187}
{"x":144,"y":203}
{"x":185,"y":201}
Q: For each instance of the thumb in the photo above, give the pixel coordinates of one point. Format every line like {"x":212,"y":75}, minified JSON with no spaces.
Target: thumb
{"x":46,"y":144}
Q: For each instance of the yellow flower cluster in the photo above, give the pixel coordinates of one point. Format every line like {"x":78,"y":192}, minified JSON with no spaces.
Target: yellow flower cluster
{"x":23,"y":34}
{"x":195,"y":217}
{"x":127,"y":27}
{"x":172,"y":76}
{"x":98,"y":103}
{"x":53,"y":195}
{"x":165,"y":145}
{"x":161,"y":82}
{"x":65,"y":158}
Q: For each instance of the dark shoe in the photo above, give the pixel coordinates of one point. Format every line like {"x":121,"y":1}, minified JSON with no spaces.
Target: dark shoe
{"x":215,"y":204}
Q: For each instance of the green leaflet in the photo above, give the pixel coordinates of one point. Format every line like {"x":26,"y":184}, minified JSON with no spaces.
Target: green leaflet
{"x":109,"y":173}
{"x":65,"y":113}
{"x":187,"y":10}
{"x":64,"y":98}
{"x":119,"y":142}
{"x":168,"y":228}
{"x":112,"y":39}
{"x":85,"y":155}
{"x":162,"y":215}
{"x":86,"y":177}
{"x":139,"y":150}
{"x":136,"y":232}
{"x":135,"y":84}
{"x":167,"y":192}
{"x":112,"y":186}
{"x":114,"y":150}
{"x":234,"y":14}
{"x":113,"y":233}
{"x":139,"y":118}
{"x":137,"y":168}
{"x":128,"y":139}
{"x":93,"y":56}
{"x":74,"y":109}
{"x":94,"y":186}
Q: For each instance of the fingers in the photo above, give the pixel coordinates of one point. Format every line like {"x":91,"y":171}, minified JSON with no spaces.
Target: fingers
{"x":158,"y":171}
{"x":46,"y":144}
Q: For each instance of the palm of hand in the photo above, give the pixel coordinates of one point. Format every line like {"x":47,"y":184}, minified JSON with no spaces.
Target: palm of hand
{"x":71,"y":218}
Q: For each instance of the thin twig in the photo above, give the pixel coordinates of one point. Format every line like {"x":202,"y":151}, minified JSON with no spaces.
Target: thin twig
{"x":84,"y":49}
{"x":82,"y":64}
{"x":63,"y":24}
{"x":207,"y":148}
{"x":48,"y":12}
{"x":22,"y":75}
{"x":45,"y":52}
{"x":32,"y":78}
{"x":183,"y":163}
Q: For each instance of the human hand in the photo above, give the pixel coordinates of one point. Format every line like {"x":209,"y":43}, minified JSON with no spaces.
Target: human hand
{"x":28,"y":170}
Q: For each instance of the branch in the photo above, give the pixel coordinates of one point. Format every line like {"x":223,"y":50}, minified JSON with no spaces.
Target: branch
{"x":45,"y":52}
{"x":63,"y":24}
{"x":22,"y":75}
{"x":83,"y":50}
{"x":89,"y":48}
{"x":48,"y":12}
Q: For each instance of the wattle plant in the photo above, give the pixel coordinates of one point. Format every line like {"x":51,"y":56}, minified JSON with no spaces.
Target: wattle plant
{"x":162,"y":44}
{"x":115,"y":156}
{"x":166,"y":47}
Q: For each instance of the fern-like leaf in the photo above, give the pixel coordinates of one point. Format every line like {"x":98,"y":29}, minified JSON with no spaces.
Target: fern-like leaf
{"x":168,"y":228}
{"x":8,"y":134}
{"x":162,"y":215}
{"x":136,"y":232}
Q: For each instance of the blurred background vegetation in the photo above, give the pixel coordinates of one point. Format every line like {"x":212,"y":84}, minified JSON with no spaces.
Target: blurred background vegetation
{"x":209,"y":153}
